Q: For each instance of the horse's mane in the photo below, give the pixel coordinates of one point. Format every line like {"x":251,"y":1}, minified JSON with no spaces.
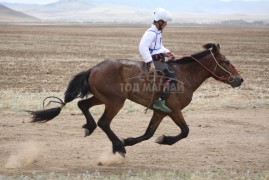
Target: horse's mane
{"x":188,"y":59}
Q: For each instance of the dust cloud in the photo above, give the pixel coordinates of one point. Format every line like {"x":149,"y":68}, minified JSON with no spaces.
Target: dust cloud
{"x":25,"y":154}
{"x":109,"y":159}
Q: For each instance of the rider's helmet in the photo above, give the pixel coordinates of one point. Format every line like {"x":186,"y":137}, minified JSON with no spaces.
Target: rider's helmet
{"x":162,"y":14}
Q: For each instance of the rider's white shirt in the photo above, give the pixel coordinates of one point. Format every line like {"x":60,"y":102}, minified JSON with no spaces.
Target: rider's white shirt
{"x":151,"y":44}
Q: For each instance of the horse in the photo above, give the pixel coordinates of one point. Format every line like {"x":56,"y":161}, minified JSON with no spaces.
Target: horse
{"x":111,"y":82}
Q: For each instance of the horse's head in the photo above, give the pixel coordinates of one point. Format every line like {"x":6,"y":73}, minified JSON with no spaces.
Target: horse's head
{"x":223,"y":70}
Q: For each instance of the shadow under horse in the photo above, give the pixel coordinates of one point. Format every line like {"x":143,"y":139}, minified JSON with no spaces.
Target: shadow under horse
{"x":111,"y":82}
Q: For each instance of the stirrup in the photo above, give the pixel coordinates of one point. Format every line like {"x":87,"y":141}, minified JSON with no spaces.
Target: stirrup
{"x":160,"y":105}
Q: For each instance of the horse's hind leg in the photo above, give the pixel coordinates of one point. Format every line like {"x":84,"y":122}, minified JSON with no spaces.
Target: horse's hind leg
{"x":84,"y":106}
{"x":104,"y":124}
{"x":153,"y":125}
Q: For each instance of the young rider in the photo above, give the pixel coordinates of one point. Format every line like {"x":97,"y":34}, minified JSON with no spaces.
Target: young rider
{"x":153,"y":53}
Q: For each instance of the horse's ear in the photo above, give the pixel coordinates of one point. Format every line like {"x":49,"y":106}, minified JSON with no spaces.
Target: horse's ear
{"x":212,"y":47}
{"x":218,"y":47}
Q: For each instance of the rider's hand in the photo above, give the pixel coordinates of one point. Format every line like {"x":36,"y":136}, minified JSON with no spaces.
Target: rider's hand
{"x":178,"y":57}
{"x":170,"y":55}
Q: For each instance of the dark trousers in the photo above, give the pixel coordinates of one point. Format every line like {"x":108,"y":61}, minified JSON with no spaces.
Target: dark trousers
{"x":169,"y":74}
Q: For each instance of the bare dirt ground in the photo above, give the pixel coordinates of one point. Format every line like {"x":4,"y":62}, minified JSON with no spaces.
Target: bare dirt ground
{"x":219,"y":139}
{"x":228,"y":127}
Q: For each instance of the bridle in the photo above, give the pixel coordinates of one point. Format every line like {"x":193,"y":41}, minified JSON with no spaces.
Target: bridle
{"x":230,"y":79}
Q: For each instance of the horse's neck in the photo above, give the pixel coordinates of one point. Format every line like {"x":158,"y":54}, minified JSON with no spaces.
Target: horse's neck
{"x":194,"y":74}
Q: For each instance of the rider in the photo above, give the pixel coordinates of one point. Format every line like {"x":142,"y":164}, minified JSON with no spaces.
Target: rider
{"x":154,"y":53}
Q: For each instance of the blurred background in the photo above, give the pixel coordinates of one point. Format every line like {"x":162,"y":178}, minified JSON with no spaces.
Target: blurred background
{"x":121,"y":11}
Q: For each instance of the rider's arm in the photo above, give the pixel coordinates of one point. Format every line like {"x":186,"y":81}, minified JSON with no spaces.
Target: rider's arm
{"x":164,"y":49}
{"x":167,"y":53}
{"x":144,"y":45}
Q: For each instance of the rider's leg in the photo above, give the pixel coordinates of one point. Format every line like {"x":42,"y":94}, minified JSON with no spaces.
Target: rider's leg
{"x":160,"y":104}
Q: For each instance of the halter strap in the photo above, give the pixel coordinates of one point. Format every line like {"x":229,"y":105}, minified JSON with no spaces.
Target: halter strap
{"x":221,"y":78}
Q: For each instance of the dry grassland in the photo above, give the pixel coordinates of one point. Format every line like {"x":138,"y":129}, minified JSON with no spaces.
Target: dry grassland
{"x":229,"y":127}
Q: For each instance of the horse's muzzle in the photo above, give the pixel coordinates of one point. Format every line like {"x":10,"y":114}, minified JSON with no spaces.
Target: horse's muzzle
{"x":235,"y":80}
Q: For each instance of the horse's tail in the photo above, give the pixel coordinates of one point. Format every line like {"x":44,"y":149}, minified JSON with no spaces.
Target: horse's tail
{"x":77,"y":88}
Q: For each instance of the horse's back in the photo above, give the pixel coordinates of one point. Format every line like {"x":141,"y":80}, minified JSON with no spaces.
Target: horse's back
{"x":110,"y":76}
{"x":116,"y":63}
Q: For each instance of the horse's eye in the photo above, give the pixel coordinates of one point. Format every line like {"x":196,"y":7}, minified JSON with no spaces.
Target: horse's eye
{"x":227,"y":62}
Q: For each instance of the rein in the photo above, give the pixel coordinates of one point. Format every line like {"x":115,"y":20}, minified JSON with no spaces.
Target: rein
{"x":220,"y":78}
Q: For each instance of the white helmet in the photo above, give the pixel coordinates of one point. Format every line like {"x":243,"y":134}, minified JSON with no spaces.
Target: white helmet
{"x":162,"y":14}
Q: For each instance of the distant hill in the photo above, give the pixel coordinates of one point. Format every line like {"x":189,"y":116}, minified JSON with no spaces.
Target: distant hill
{"x":120,"y":11}
{"x":9,"y":15}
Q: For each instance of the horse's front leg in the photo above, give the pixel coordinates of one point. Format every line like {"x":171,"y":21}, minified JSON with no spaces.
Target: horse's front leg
{"x":178,"y":118}
{"x":153,"y":125}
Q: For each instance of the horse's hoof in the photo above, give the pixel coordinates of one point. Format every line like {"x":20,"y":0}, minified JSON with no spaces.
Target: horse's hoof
{"x":122,"y":154}
{"x":119,"y":148}
{"x":87,"y":132}
{"x":160,"y":139}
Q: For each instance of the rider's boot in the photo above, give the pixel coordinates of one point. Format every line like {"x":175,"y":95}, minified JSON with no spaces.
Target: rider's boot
{"x":160,"y":103}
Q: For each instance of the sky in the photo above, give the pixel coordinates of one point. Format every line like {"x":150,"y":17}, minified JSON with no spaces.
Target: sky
{"x":188,"y":9}
{"x":155,"y":1}
{"x":29,"y":1}
{"x":250,"y":7}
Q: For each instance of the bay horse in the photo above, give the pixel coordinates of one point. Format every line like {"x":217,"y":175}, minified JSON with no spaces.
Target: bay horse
{"x":111,"y":82}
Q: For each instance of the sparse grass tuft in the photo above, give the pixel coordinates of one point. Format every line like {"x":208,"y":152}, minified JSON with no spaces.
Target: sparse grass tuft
{"x":210,"y":96}
{"x":147,"y":175}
